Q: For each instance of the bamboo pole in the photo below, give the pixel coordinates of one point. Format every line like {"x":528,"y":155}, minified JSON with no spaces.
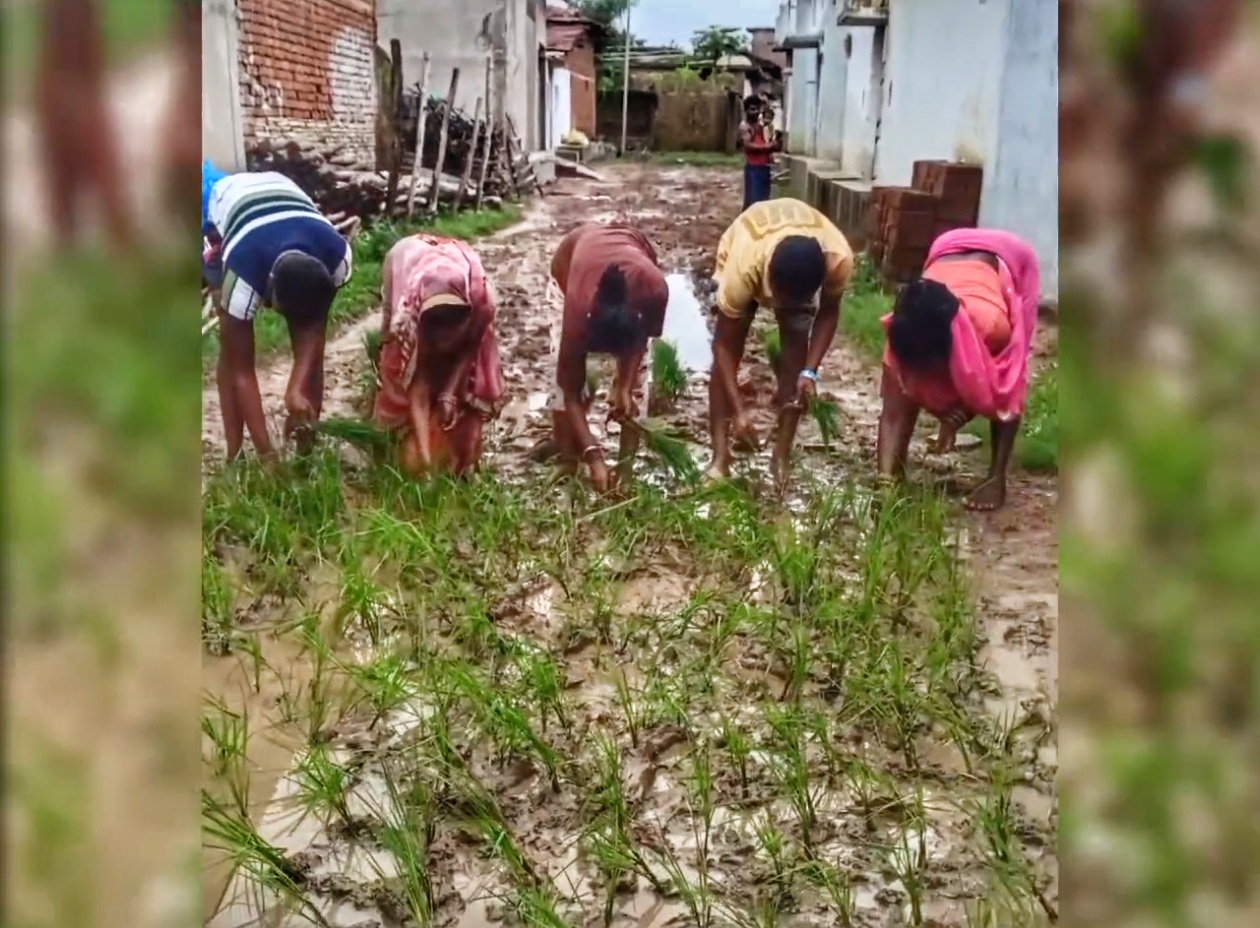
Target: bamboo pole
{"x":625,"y":81}
{"x":442,"y":140}
{"x":420,"y":126}
{"x":472,"y":150}
{"x":485,"y":145}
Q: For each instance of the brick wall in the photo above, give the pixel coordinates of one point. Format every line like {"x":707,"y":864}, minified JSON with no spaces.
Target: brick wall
{"x":580,"y":62}
{"x":308,"y":71}
{"x":902,"y":222}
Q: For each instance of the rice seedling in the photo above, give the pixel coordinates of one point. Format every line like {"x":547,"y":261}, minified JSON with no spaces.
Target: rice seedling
{"x":826,"y":416}
{"x":771,"y":842}
{"x":322,"y":785}
{"x":738,"y":748}
{"x":772,"y":345}
{"x":267,"y":873}
{"x":908,"y":858}
{"x":835,"y":888}
{"x":669,"y":449}
{"x":387,"y":683}
{"x":217,"y":612}
{"x":634,"y":710}
{"x":407,"y":830}
{"x":794,"y":772}
{"x":668,"y":376}
{"x":361,"y":434}
{"x":228,"y":735}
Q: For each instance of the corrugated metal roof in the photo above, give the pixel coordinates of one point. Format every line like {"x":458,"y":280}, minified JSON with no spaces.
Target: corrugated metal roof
{"x":565,"y":27}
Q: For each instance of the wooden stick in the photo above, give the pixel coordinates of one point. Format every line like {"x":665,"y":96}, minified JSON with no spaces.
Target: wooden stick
{"x":391,"y":104}
{"x":442,"y":139}
{"x":485,"y":145}
{"x":468,"y":164}
{"x":421,"y":121}
{"x":505,"y":148}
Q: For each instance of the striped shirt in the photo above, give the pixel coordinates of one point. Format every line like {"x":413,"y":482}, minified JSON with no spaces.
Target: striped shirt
{"x":256,"y":217}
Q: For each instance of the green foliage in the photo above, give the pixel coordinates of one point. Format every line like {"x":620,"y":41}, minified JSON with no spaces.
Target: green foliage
{"x":715,"y":42}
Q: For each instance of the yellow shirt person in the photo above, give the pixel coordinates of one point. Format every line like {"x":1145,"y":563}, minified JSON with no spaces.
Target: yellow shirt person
{"x":786,"y":255}
{"x":742,"y":270}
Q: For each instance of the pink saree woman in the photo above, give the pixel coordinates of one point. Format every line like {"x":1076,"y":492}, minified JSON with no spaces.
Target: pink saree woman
{"x":441,"y":379}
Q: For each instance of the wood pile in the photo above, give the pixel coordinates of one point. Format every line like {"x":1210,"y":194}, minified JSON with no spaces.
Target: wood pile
{"x":346,"y":188}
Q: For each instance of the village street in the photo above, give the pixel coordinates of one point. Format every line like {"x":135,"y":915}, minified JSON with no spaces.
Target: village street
{"x":1010,"y":560}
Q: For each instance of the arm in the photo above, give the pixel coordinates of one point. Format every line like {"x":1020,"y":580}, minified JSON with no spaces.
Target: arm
{"x":728,"y":343}
{"x":824,"y":331}
{"x":628,"y":366}
{"x":304,"y":395}
{"x":240,"y":382}
{"x":571,"y":378}
{"x":418,"y":409}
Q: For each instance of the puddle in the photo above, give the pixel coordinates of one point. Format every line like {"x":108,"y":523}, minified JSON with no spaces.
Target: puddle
{"x":685,"y":326}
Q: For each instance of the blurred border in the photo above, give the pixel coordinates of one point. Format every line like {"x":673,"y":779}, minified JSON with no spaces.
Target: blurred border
{"x":102,"y":379}
{"x":1160,"y":643}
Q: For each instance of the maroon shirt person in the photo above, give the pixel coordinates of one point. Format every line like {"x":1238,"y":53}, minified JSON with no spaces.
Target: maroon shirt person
{"x":613,"y":295}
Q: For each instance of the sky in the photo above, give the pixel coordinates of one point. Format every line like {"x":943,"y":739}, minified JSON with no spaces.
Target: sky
{"x":658,"y":22}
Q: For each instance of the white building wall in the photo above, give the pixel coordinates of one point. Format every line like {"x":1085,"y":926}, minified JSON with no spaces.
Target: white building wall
{"x":1021,"y":185}
{"x":561,"y":108}
{"x":860,"y":106}
{"x":222,"y":126}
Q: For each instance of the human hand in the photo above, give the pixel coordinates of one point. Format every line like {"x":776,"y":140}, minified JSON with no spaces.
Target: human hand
{"x":744,"y":432}
{"x":601,"y":477}
{"x":447,"y":410}
{"x":806,"y":390}
{"x":623,"y":410}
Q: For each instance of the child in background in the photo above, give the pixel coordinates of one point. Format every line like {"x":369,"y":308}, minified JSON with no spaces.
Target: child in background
{"x":758,"y":149}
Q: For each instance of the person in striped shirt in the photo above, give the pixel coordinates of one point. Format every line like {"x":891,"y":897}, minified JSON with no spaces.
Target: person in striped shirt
{"x":267,"y":245}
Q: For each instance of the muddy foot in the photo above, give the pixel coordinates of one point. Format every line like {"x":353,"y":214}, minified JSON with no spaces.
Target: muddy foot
{"x":988,"y":496}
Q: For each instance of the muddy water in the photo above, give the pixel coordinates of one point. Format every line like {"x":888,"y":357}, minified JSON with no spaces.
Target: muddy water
{"x":685,"y":326}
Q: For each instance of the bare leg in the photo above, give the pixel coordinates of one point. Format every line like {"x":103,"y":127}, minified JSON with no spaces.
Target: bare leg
{"x":729,"y":340}
{"x":794,"y":329}
{"x":991,"y":494}
{"x":896,"y":427}
{"x":229,"y":409}
{"x":630,"y":373}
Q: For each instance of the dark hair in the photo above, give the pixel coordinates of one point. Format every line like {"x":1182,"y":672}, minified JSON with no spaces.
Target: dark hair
{"x":614,"y":325}
{"x":797,"y":268}
{"x":302,"y":289}
{"x":752,"y":100}
{"x":919,"y":332}
{"x":445,"y":318}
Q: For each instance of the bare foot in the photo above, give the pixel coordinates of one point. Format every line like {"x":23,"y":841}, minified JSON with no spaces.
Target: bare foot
{"x":988,"y":496}
{"x":716,"y":473}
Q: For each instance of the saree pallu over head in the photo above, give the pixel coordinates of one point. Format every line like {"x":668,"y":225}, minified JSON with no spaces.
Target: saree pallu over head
{"x":422,"y":272}
{"x":993,"y":386}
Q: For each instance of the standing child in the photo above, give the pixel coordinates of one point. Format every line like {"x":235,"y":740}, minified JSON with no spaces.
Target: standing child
{"x":758,"y":151}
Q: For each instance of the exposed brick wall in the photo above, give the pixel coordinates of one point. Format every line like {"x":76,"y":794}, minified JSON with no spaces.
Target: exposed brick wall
{"x":308,"y":71}
{"x":580,"y":62}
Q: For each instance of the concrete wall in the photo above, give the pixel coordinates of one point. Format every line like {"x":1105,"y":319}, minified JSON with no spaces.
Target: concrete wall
{"x":943,"y":82}
{"x":222,"y":125}
{"x":560,"y":116}
{"x":307,"y":72}
{"x":861,"y":104}
{"x":458,"y":35}
{"x":1021,"y":185}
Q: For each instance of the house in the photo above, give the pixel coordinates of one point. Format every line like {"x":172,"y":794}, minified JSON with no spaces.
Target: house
{"x":571,"y":74}
{"x":275,"y":69}
{"x":462,"y":35}
{"x":875,"y":85}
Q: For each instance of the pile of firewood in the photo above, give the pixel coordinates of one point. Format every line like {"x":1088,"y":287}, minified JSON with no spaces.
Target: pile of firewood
{"x":346,"y":188}
{"x":466,"y":139}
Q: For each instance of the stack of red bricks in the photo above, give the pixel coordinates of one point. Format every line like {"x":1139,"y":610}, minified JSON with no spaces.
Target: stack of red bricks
{"x":902,"y":222}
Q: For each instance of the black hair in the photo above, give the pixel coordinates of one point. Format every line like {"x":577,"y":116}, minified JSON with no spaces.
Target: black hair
{"x":919,"y":332}
{"x":797,"y":268}
{"x":302,"y":289}
{"x":752,"y":100}
{"x":614,"y":324}
{"x":445,"y":317}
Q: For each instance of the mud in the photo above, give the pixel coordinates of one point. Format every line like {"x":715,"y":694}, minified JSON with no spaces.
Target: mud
{"x":1012,"y":556}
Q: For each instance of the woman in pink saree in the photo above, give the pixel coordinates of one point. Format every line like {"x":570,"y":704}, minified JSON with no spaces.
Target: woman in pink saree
{"x":441,"y":380}
{"x":959,"y":340}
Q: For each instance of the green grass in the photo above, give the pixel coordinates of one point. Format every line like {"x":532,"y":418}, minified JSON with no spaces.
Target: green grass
{"x":363,"y":291}
{"x":700,"y":159}
{"x":834,"y":653}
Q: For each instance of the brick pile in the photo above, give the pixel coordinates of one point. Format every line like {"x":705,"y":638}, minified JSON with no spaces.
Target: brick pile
{"x":902,"y":222}
{"x":308,"y":72}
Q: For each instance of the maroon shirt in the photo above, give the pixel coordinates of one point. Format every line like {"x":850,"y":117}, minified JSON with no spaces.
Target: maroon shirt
{"x":579,"y":262}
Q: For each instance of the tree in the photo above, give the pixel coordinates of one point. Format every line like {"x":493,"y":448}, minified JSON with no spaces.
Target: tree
{"x":610,"y":14}
{"x":717,"y":42}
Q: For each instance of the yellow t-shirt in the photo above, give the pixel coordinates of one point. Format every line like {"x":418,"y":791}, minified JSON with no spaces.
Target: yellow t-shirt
{"x":743,"y":254}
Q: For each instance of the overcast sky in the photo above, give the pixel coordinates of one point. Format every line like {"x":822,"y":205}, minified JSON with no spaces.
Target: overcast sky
{"x":659,"y":22}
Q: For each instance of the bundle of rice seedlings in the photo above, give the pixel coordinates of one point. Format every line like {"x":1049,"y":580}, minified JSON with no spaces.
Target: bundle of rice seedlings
{"x":669,"y":378}
{"x":359,"y":433}
{"x":372,"y":339}
{"x":669,"y":448}
{"x":773,"y":346}
{"x":827,"y":416}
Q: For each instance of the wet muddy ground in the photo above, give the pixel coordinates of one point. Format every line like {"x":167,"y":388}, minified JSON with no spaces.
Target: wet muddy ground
{"x":506,"y":703}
